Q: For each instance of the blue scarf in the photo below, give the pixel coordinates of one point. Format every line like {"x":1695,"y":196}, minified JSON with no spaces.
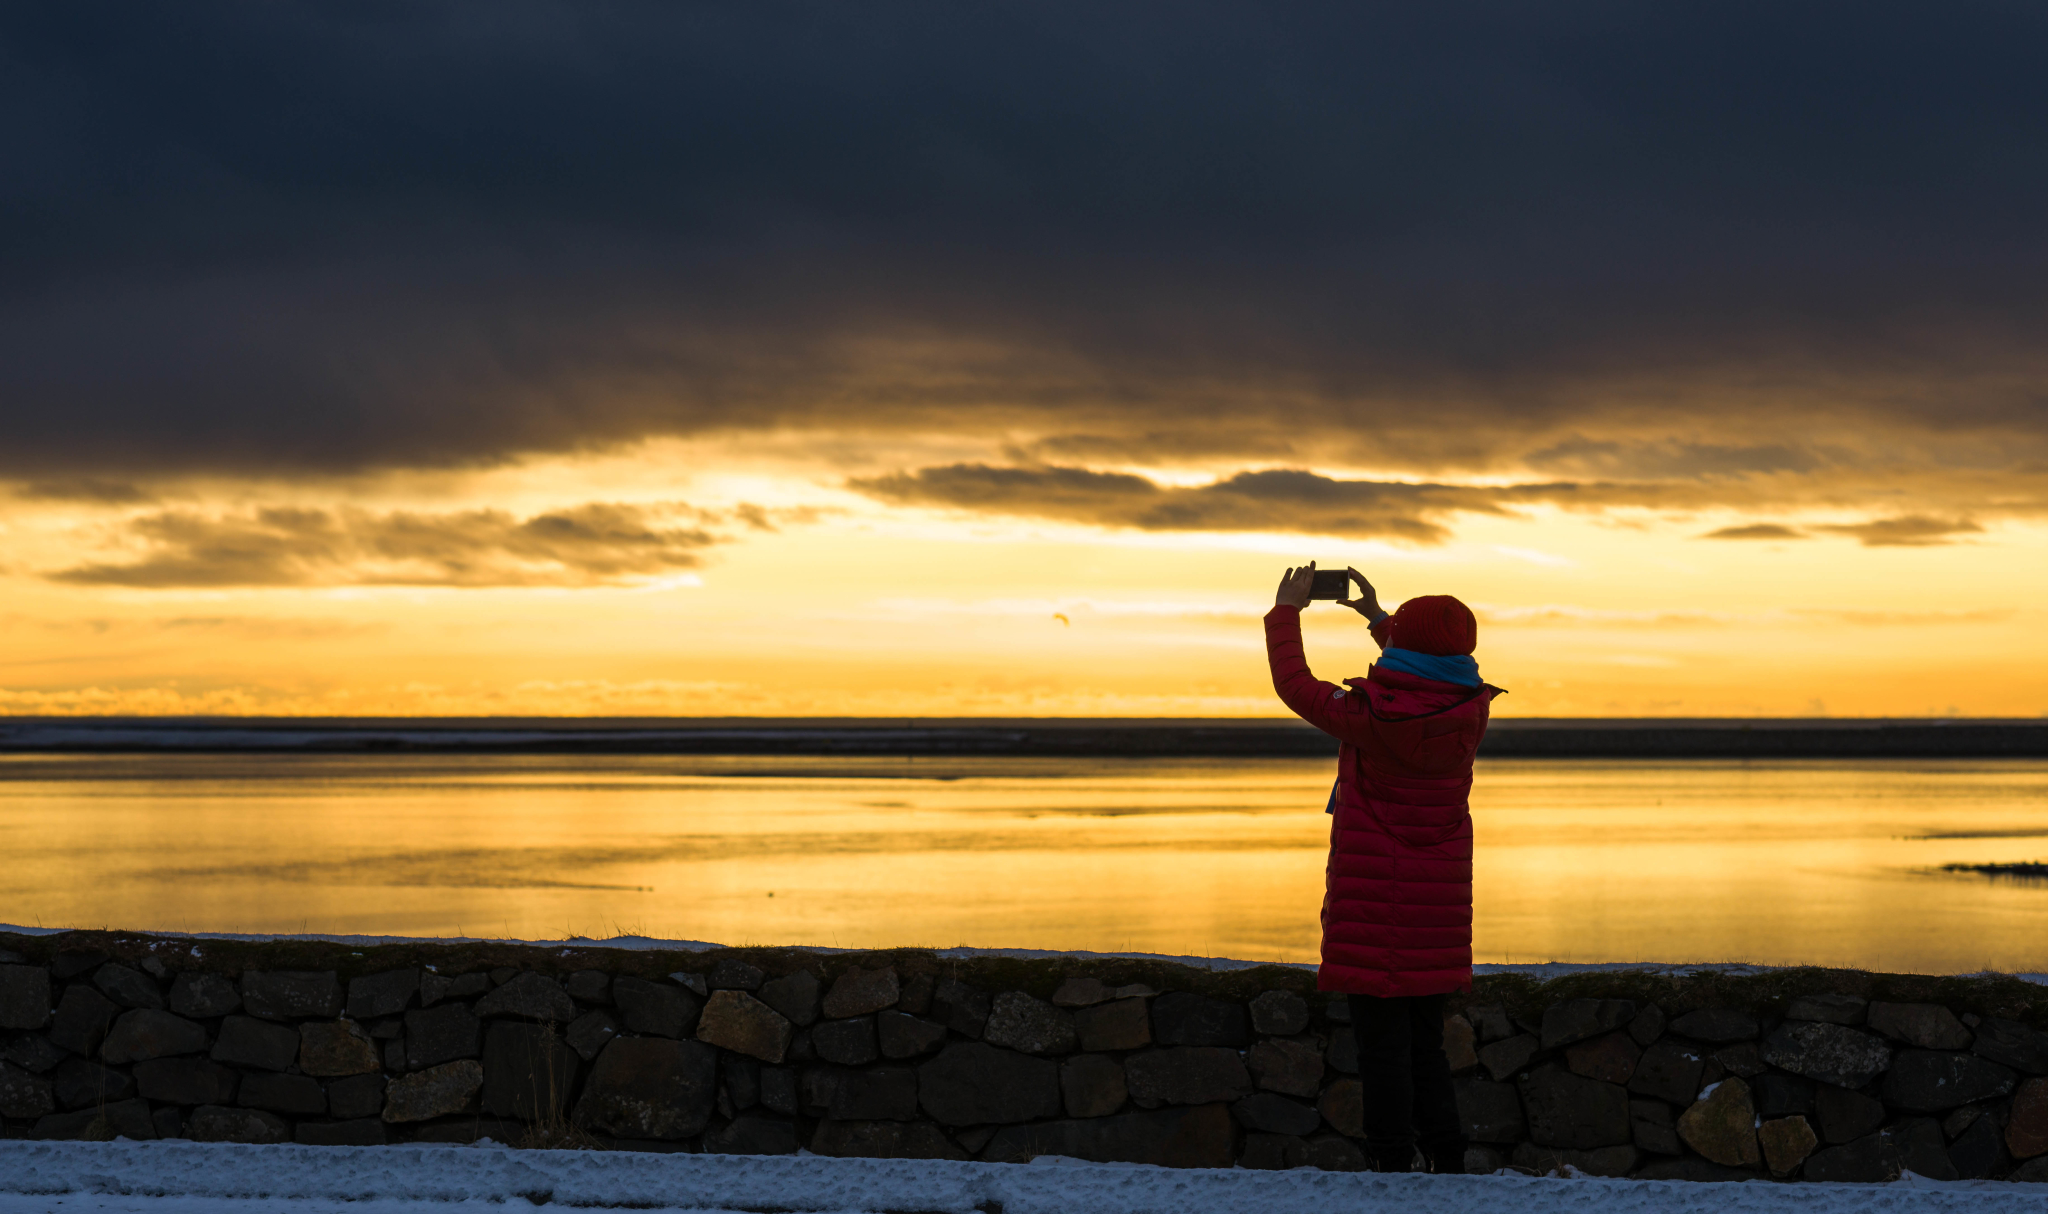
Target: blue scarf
{"x":1458,"y":668}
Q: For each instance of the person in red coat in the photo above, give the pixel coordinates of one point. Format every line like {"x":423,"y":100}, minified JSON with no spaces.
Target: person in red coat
{"x":1397,"y":898}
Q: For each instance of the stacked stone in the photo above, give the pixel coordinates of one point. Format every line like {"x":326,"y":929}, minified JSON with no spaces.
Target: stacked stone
{"x":98,"y":1049}
{"x":1837,"y":1089}
{"x":861,"y":1060}
{"x":922,"y":1067}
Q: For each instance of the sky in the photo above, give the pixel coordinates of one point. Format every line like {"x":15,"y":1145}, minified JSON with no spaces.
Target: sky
{"x":910,"y":359}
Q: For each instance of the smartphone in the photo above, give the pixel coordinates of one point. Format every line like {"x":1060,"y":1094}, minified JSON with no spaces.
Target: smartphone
{"x":1331,"y":584}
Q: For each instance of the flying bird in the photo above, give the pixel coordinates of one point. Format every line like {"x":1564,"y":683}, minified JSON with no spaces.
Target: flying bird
{"x":1062,"y":619}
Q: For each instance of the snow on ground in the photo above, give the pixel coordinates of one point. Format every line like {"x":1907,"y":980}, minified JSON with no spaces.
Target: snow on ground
{"x":1542,"y":971}
{"x":177,"y":1177}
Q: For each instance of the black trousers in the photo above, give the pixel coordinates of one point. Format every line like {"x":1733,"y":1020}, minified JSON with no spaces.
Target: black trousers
{"x":1407,"y":1079}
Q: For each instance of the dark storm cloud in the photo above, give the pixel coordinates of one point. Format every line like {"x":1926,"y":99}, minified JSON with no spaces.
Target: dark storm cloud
{"x":594,"y":544}
{"x":1686,"y":242}
{"x":1757,"y":531}
{"x":1905,"y":531}
{"x":1671,"y":458}
{"x":1908,"y":531}
{"x":1277,"y":499}
{"x":83,"y":489}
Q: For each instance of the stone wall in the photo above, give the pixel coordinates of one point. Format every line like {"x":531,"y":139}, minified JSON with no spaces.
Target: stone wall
{"x":1815,"y":1075}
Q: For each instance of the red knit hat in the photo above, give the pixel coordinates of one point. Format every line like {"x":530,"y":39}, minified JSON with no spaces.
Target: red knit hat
{"x":1434,"y":623}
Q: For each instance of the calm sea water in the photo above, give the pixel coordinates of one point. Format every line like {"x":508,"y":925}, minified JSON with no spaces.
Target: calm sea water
{"x":1836,"y":863}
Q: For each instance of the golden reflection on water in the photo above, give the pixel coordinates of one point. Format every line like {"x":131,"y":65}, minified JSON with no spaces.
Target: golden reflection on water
{"x":1831,"y":863}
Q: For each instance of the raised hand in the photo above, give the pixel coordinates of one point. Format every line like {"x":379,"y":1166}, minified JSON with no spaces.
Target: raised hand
{"x":1367,"y":603}
{"x":1295,"y":586}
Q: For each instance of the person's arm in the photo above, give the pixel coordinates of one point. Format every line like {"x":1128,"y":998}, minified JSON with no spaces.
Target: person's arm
{"x":1320,"y":704}
{"x":1367,"y":604}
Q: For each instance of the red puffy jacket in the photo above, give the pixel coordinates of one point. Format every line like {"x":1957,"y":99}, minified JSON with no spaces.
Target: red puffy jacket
{"x":1397,"y":896}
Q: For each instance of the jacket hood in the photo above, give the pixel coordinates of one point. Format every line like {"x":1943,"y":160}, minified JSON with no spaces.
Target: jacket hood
{"x":1430,"y":733}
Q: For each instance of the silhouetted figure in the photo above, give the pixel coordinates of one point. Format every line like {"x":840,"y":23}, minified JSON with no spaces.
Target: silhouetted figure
{"x":1397,"y":900}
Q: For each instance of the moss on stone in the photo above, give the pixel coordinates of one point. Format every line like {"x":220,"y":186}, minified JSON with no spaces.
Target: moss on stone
{"x":1771,"y":992}
{"x":1768,"y":993}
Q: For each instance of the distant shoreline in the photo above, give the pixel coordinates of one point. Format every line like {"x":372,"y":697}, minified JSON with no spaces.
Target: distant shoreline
{"x":1070,"y":737}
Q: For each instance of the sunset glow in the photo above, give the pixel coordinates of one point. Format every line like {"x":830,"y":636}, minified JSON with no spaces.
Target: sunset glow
{"x":790,"y":593}
{"x":529,"y":359}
